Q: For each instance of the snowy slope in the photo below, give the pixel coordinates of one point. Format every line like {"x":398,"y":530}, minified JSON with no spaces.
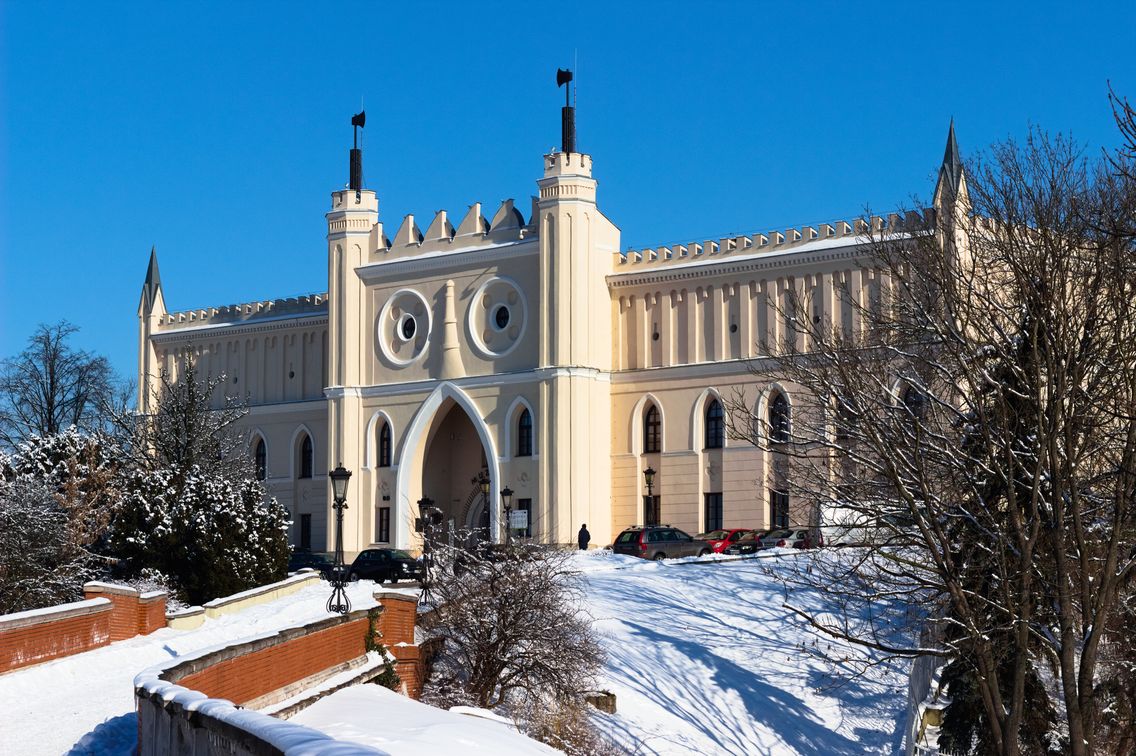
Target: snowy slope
{"x":703,"y":658}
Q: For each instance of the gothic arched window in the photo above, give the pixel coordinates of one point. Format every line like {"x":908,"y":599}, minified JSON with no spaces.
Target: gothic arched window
{"x":306,"y":457}
{"x":385,"y":445}
{"x":260,"y":459}
{"x":779,"y":419}
{"x":652,"y":431}
{"x":915,"y":401}
{"x":524,"y":434}
{"x":715,"y":426}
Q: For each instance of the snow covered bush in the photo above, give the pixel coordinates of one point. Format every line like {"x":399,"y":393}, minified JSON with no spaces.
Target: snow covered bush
{"x":512,"y":637}
{"x":210,"y":535}
{"x":81,"y":468}
{"x":40,"y":564}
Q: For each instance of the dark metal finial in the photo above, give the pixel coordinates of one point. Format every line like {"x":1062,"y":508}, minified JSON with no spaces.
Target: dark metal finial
{"x":358,"y":121}
{"x":568,"y":113}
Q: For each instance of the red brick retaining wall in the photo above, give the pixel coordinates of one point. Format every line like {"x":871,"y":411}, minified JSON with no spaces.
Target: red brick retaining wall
{"x":109,"y":613}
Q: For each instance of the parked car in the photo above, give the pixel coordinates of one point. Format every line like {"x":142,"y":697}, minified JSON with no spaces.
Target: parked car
{"x":784,"y":538}
{"x":658,"y":542}
{"x":720,"y":539}
{"x":749,"y":542}
{"x":383,"y":565}
{"x":302,"y":558}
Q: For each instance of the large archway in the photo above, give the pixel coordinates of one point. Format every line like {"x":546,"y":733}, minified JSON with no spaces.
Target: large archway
{"x":447,"y":444}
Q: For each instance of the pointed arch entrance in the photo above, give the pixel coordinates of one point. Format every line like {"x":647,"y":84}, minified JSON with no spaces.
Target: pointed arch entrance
{"x":447,"y":444}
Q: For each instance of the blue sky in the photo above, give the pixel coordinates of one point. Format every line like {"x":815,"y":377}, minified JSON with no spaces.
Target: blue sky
{"x":216,"y":131}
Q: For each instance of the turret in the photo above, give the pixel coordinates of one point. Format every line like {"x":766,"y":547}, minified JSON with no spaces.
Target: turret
{"x":351,"y":224}
{"x":576,"y":246}
{"x":151,"y":310}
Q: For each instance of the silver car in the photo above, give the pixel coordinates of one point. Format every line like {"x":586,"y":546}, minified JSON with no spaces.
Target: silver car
{"x":789,"y":537}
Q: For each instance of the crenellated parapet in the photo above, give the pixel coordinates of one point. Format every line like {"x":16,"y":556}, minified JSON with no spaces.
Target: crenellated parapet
{"x":838,"y":233}
{"x":474,"y":231}
{"x":248,"y":312}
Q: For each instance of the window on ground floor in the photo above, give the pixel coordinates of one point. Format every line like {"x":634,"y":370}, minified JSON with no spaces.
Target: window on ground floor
{"x":383,"y":525}
{"x":306,"y":532}
{"x":779,"y":508}
{"x":525,"y":505}
{"x":651,"y":509}
{"x":713,"y":511}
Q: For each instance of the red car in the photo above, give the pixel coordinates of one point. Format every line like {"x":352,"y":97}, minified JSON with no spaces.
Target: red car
{"x":720,"y":540}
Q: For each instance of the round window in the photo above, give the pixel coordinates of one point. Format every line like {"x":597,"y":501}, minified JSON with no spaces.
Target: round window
{"x":501,"y":317}
{"x":407,"y":327}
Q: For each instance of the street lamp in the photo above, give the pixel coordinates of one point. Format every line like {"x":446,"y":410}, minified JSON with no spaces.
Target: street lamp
{"x":506,"y":501}
{"x":338,"y":602}
{"x":482,"y":481}
{"x":648,"y":500}
{"x":426,"y":518}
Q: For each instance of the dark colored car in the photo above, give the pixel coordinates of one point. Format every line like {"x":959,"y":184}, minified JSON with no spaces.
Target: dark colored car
{"x":722,"y":538}
{"x":315,"y":560}
{"x":748,"y":542}
{"x":383,"y":565}
{"x":658,"y":542}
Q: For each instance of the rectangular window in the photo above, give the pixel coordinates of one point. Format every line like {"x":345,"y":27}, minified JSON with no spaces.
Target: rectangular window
{"x":651,"y":507}
{"x":383,"y":525}
{"x":778,"y":508}
{"x":713,"y":511}
{"x":525,"y":505}
{"x":306,"y":532}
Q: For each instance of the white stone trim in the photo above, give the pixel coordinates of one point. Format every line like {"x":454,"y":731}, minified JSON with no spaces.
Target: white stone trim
{"x":371,"y":441}
{"x":294,"y":451}
{"x":475,"y":337}
{"x":428,"y":262}
{"x":511,"y":418}
{"x":381,"y":323}
{"x":698,"y":420}
{"x":415,"y":436}
{"x":638,"y":417}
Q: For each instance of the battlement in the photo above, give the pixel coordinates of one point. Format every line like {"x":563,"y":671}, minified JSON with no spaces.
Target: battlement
{"x":805,"y":238}
{"x":248,"y":312}
{"x":508,"y":225}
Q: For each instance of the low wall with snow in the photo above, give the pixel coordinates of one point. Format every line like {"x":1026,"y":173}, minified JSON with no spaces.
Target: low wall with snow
{"x":108,"y":613}
{"x":192,"y":705}
{"x":194,"y":616}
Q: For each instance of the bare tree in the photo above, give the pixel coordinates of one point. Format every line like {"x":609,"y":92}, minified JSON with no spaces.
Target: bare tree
{"x":193,"y":424}
{"x":51,"y":386}
{"x":511,"y":636}
{"x":979,"y":412}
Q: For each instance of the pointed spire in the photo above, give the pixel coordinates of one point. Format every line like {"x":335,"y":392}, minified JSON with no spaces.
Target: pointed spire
{"x":951,"y":169}
{"x":153,"y":282}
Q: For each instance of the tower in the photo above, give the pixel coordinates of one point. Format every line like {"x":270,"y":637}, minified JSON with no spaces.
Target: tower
{"x":354,"y":213}
{"x":952,"y":200}
{"x":151,"y":310}
{"x":576,"y":242}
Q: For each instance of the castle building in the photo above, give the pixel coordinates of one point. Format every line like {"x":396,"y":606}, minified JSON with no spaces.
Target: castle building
{"x":528,"y":350}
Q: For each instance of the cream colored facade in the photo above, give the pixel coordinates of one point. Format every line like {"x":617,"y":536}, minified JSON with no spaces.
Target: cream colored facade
{"x":448,"y":336}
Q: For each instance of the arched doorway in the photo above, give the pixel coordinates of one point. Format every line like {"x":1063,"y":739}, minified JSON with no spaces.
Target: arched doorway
{"x":454,"y":457}
{"x":446,"y":445}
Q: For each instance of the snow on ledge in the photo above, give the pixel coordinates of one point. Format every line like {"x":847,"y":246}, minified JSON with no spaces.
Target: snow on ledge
{"x":52,"y":613}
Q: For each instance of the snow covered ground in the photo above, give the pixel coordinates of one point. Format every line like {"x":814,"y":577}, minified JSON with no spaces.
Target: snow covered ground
{"x":394,"y":724}
{"x":703,"y":658}
{"x":84,"y":704}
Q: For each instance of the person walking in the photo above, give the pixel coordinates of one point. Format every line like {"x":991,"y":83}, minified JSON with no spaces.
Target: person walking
{"x":584,"y":537}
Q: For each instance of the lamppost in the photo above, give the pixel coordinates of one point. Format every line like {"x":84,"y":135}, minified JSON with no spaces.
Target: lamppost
{"x":482,"y":480}
{"x":649,"y":500}
{"x":426,"y":518}
{"x":338,"y":601}
{"x":506,"y":502}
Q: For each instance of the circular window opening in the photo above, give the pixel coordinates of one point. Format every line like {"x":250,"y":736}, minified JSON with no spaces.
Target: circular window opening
{"x":501,"y":317}
{"x":407,"y":327}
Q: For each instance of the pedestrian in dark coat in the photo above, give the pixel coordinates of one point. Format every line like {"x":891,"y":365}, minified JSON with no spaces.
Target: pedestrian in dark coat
{"x":584,"y":537}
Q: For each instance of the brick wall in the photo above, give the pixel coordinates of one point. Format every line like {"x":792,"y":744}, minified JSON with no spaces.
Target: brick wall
{"x":32,"y":637}
{"x":109,"y":613}
{"x":250,"y":672}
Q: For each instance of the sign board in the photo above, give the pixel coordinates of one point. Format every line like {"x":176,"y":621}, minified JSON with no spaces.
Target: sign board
{"x":519,"y":519}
